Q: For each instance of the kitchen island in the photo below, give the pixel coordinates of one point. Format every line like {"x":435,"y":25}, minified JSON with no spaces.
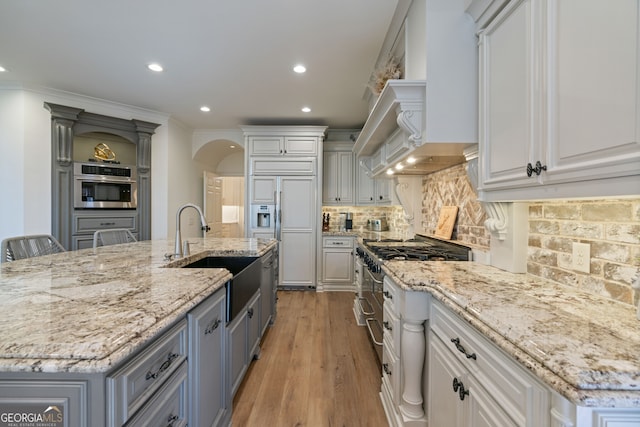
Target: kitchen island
{"x":578,"y":349}
{"x":77,"y":317}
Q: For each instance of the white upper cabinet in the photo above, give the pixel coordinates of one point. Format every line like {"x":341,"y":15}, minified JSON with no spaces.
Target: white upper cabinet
{"x":338,"y":183}
{"x":283,"y":146}
{"x":560,"y":100}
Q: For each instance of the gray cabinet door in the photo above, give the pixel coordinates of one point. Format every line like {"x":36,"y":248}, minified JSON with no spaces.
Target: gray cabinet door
{"x":253,"y":326}
{"x":237,"y":350}
{"x":266,"y":286}
{"x":207,"y":362}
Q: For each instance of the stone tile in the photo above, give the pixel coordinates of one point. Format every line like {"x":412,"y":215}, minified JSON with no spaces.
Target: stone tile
{"x":535,"y":211}
{"x":544,"y":227}
{"x":585,"y":230}
{"x":627,"y":233}
{"x":559,"y":244}
{"x":543,"y":256}
{"x":567,"y":211}
{"x":611,"y":252}
{"x":607,"y":211}
{"x":619,"y":272}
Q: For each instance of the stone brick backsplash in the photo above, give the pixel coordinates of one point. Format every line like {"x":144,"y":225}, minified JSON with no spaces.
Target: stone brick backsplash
{"x":610,"y":227}
{"x":451,"y":187}
{"x":393,"y":214}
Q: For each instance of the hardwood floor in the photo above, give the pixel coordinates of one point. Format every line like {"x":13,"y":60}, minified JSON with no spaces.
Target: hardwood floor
{"x":317,"y":368}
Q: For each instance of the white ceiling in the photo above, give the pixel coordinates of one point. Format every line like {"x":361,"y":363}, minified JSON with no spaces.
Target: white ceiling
{"x":235,"y":56}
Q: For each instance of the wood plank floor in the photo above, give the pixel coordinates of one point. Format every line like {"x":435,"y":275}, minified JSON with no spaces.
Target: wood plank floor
{"x":317,"y":368}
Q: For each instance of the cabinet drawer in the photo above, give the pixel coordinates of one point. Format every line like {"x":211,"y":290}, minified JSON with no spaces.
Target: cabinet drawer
{"x":391,"y":326}
{"x":337,"y":242}
{"x":130,"y":386}
{"x":86,"y":224}
{"x":391,"y":295}
{"x":506,"y":381}
{"x":391,"y":371}
{"x":168,"y":406}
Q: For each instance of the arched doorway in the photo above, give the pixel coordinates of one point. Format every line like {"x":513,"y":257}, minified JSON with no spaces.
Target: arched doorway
{"x":223,"y":186}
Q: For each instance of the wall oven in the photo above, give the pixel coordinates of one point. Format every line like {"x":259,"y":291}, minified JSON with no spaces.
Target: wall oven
{"x":104,"y":186}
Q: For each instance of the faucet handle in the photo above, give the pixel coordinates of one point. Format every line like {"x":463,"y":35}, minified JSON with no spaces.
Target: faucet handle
{"x":167,"y":257}
{"x":206,"y":227}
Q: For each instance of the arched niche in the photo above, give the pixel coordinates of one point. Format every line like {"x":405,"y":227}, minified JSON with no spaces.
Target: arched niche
{"x":66,"y":122}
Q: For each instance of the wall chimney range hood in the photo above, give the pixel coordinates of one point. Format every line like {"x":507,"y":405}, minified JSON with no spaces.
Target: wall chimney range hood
{"x":396,"y":129}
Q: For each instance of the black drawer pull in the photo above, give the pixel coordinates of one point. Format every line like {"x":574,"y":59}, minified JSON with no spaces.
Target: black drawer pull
{"x":387,"y":326}
{"x":172,"y":419}
{"x":385,"y":366}
{"x":165,"y":365}
{"x":388,"y":295}
{"x":458,"y":387}
{"x":461,"y":349}
{"x":212,"y":327}
{"x":537,"y":169}
{"x":250,"y":313}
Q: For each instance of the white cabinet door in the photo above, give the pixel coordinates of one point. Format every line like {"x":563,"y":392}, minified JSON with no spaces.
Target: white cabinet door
{"x":594,"y":90}
{"x":345,"y":171}
{"x":263,"y":189}
{"x":483,"y":411}
{"x":300,"y":146}
{"x":443,"y":407}
{"x":337,"y":186}
{"x":330,"y":178}
{"x":266,"y":145}
{"x":506,"y":96}
{"x":365,"y":187}
{"x":559,"y":97}
{"x":298,"y":237}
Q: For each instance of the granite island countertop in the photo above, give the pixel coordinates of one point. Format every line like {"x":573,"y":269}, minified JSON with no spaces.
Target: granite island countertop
{"x":585,"y":347}
{"x":87,"y":310}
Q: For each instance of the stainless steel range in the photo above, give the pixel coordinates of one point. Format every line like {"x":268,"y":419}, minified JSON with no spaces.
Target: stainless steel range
{"x":374,"y":253}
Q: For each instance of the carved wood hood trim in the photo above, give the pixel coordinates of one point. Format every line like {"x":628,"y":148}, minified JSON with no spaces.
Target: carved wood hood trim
{"x":400,"y":104}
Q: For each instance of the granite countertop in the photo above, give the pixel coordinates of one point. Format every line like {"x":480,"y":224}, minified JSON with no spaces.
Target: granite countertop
{"x":87,"y":310}
{"x":585,"y":347}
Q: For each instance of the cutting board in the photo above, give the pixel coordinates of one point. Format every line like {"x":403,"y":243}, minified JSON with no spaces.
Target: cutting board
{"x":447,"y":219}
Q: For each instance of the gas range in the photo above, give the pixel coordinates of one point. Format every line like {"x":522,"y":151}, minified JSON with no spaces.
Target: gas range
{"x":420,"y":248}
{"x":374,"y":253}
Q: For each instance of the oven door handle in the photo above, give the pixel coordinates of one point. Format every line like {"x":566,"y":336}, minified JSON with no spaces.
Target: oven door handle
{"x":373,"y":278}
{"x":365,"y":312}
{"x":373,"y":338}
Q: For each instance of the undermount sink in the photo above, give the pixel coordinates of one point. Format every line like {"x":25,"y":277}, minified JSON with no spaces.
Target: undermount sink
{"x":244,"y":284}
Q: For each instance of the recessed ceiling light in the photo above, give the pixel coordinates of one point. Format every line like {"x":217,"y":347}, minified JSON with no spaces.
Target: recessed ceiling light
{"x":389,"y":171}
{"x":205,"y":109}
{"x":2,"y":69}
{"x":232,"y":146}
{"x":155,"y":67}
{"x":306,"y":109}
{"x":411,"y":160}
{"x":399,"y":166}
{"x":299,"y":68}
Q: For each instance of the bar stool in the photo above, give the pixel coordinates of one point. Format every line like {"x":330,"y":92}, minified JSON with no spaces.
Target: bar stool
{"x":112,"y":236}
{"x":20,"y":247}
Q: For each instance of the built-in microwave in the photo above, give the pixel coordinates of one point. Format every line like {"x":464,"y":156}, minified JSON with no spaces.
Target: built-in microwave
{"x":104,"y":186}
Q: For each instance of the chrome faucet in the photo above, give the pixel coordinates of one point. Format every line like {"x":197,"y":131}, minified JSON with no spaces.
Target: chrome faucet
{"x":203,"y":221}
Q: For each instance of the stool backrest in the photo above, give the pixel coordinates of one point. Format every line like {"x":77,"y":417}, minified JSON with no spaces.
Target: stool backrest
{"x":20,"y":247}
